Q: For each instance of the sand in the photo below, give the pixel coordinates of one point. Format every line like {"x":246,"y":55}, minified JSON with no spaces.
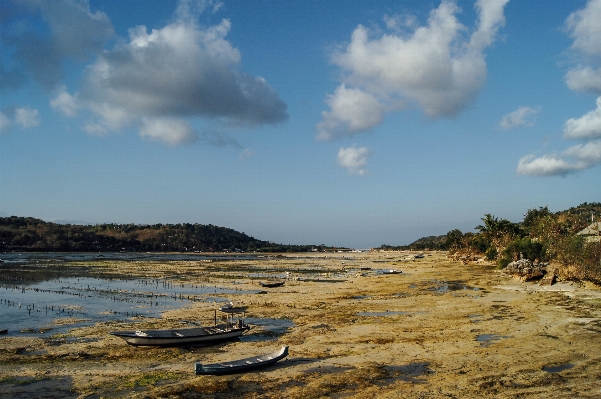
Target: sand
{"x":438,"y":329}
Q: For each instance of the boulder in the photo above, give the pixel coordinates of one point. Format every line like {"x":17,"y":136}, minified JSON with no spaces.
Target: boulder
{"x":526,"y":270}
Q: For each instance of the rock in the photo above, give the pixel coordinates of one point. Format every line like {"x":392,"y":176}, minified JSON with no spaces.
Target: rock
{"x":549,"y":278}
{"x":526,"y":270}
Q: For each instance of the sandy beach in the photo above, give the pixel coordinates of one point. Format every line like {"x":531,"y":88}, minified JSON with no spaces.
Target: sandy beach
{"x":438,"y":329}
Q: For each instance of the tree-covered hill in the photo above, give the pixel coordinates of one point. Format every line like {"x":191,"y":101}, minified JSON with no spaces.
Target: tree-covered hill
{"x":25,"y":233}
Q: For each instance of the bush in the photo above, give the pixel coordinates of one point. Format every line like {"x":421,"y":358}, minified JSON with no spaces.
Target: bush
{"x":503,"y":262}
{"x":491,"y":254}
{"x":525,"y":248}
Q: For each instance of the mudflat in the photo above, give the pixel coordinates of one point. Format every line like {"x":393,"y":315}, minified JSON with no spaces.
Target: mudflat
{"x":438,"y":329}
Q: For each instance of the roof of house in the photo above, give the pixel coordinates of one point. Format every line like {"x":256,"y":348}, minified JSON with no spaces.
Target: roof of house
{"x":592,"y":230}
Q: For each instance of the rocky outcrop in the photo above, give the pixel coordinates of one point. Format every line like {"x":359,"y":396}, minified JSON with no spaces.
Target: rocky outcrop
{"x":526,"y":270}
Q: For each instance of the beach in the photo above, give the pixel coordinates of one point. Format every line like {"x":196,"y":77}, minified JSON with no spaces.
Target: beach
{"x":438,"y":328}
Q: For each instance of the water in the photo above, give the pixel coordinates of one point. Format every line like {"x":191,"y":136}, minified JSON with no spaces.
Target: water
{"x":557,"y":369}
{"x":38,"y":296}
{"x":32,"y":257}
{"x":488,"y":339}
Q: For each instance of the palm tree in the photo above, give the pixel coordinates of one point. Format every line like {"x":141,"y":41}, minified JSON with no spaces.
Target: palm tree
{"x":499,"y":232}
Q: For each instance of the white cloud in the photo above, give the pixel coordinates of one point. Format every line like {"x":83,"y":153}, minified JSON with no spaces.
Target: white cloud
{"x":4,"y":122}
{"x":64,"y":102}
{"x":587,"y":126}
{"x":27,"y":117}
{"x":584,"y":78}
{"x":579,"y":157}
{"x":179,"y":71}
{"x":354,"y":159}
{"x":168,"y":131}
{"x":174,"y":73}
{"x":351,"y":111}
{"x":435,"y":67}
{"x":585,"y":29}
{"x":588,"y":154}
{"x":95,"y":129}
{"x":546,"y":165}
{"x":523,"y":116}
{"x":70,"y":30}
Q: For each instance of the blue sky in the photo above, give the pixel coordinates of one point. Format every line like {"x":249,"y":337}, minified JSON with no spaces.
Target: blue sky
{"x":347,"y":123}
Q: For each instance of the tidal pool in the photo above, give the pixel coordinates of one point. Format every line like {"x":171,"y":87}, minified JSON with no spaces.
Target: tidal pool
{"x":59,"y":304}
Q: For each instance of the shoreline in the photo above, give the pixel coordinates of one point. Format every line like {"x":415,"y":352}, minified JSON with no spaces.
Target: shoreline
{"x":439,"y":328}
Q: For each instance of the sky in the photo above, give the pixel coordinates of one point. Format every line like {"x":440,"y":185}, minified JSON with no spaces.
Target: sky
{"x":340,"y":122}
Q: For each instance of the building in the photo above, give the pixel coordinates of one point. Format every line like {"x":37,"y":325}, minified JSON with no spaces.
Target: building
{"x":592,"y":232}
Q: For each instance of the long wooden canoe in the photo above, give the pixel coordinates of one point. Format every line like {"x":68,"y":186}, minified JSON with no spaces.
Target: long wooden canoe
{"x":242,"y":365}
{"x":182,"y":336}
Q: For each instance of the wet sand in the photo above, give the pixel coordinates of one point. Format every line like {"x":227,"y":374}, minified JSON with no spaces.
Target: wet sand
{"x":438,"y":329}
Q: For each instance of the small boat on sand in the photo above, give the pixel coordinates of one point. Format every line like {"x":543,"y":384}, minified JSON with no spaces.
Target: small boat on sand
{"x":239,"y":366}
{"x":230,"y":308}
{"x":392,"y":271}
{"x":272,"y":284}
{"x":186,"y":336}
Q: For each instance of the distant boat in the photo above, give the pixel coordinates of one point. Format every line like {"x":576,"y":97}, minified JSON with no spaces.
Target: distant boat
{"x":392,"y":271}
{"x":272,"y":284}
{"x":230,"y":308}
{"x":183,"y":336}
{"x":238,"y":366}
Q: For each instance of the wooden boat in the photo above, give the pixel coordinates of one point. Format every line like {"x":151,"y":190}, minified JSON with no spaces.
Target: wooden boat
{"x":184,"y":336}
{"x":230,"y":308}
{"x":239,"y":366}
{"x":272,"y":284}
{"x":392,"y":271}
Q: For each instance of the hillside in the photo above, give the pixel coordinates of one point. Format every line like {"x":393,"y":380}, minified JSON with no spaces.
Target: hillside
{"x":29,"y":234}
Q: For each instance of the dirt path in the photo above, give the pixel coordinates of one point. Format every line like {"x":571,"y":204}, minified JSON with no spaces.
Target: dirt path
{"x":439,"y":329}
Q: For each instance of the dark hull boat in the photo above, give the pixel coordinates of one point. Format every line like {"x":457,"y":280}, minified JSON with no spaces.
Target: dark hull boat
{"x":242,"y":365}
{"x":272,"y":284}
{"x":182,"y":336}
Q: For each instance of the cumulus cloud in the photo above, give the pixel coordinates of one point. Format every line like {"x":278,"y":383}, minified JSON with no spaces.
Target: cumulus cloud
{"x":351,"y":111}
{"x":579,"y":157}
{"x":584,"y":78}
{"x":585,"y":29}
{"x":435,"y":67}
{"x":575,"y":158}
{"x":170,"y":131}
{"x":27,"y":117}
{"x":71,"y":31}
{"x":583,"y":26}
{"x":587,"y":126}
{"x":179,"y":71}
{"x":64,"y":102}
{"x":354,"y":159}
{"x":546,"y":165}
{"x":523,"y":116}
{"x":155,"y":80}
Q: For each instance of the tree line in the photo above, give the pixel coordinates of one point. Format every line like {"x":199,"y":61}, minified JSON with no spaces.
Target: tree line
{"x":542,"y":236}
{"x":30,"y":234}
